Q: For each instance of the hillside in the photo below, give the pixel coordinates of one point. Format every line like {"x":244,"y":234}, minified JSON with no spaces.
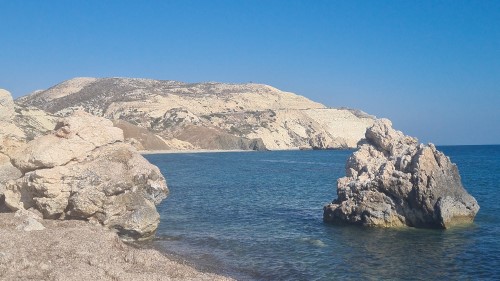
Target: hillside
{"x":184,"y":116}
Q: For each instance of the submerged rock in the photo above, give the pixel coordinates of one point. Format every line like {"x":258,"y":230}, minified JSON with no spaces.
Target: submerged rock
{"x":83,"y":170}
{"x":392,"y":180}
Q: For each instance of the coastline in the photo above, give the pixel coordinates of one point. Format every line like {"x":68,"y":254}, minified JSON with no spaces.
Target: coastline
{"x":175,"y":151}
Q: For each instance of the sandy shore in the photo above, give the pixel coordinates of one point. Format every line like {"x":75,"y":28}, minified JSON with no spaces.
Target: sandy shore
{"x":77,"y":250}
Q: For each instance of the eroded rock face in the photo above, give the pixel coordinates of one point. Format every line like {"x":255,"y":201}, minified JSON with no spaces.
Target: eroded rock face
{"x":83,"y":170}
{"x":394,"y":181}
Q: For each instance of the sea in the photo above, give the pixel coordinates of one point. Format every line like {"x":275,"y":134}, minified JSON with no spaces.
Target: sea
{"x":258,"y":216}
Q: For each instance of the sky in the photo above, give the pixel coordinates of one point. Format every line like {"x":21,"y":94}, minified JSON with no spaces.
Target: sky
{"x":432,"y":67}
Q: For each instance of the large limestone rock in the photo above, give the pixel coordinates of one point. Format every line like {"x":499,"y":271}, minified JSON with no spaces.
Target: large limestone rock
{"x":83,"y":170}
{"x":394,"y":181}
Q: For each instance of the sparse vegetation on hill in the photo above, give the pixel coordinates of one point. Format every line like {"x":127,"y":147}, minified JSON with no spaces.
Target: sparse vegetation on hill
{"x":229,"y":116}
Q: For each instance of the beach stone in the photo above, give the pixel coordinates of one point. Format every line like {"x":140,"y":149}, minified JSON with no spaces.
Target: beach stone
{"x":392,"y":181}
{"x":29,"y":220}
{"x":83,"y":170}
{"x":30,"y":224}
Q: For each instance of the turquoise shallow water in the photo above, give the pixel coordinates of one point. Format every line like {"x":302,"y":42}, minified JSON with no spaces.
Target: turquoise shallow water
{"x":258,"y":216}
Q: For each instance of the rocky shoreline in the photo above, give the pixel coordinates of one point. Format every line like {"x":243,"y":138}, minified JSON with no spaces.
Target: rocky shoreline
{"x":71,"y":190}
{"x":36,"y":249}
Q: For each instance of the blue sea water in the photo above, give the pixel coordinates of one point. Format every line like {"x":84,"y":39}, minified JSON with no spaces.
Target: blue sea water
{"x":258,"y":216}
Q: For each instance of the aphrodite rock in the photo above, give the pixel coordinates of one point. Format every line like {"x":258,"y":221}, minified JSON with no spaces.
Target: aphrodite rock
{"x":83,"y":170}
{"x":394,"y":181}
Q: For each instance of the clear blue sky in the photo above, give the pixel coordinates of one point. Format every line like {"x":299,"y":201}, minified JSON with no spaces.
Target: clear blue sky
{"x":432,"y":67}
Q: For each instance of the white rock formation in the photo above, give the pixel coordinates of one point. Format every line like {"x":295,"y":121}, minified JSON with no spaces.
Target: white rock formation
{"x":394,"y":181}
{"x":81,"y":170}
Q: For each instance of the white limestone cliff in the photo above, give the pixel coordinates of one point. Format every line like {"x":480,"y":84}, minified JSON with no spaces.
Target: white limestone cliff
{"x":208,"y":115}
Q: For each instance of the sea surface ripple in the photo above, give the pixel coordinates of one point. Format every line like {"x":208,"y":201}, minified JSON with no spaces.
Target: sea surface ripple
{"x":258,"y":216}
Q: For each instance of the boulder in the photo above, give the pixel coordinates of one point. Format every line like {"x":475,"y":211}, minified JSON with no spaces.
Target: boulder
{"x":392,"y":180}
{"x":83,"y":170}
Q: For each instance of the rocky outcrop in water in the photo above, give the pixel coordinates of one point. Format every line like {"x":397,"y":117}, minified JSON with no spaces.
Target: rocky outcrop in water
{"x":207,"y":115}
{"x":395,"y":181}
{"x":82,"y":170}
